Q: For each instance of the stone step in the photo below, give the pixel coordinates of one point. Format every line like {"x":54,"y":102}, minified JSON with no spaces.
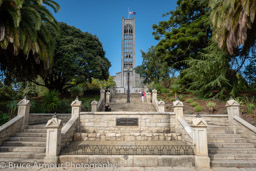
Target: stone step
{"x":23,"y":155}
{"x":30,"y":135}
{"x":24,"y":143}
{"x":35,"y":130}
{"x":237,"y":150}
{"x":232,"y":156}
{"x":33,"y":163}
{"x":221,"y":145}
{"x":219,"y":130}
{"x":22,"y":149}
{"x":224,"y":135}
{"x":227,"y":140}
{"x":234,"y":163}
{"x":35,"y":139}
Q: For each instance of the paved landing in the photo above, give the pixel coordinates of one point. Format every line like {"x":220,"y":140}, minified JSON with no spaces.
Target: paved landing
{"x":119,"y":103}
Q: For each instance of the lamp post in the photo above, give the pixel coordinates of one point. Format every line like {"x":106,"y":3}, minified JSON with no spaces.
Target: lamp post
{"x":128,"y":91}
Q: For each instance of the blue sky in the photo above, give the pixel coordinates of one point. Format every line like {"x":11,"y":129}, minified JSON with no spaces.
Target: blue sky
{"x":103,"y":18}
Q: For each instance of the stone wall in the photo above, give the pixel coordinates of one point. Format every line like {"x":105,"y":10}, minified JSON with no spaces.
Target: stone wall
{"x":42,"y":118}
{"x":102,"y":126}
{"x":211,"y":119}
{"x":10,"y":128}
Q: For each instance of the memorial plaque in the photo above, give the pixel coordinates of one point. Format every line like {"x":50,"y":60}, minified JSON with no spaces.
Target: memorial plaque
{"x":127,"y":122}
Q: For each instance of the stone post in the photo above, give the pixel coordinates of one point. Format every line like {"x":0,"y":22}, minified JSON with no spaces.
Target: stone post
{"x":200,"y":143}
{"x":107,"y":97}
{"x":53,"y":140}
{"x":161,"y":106}
{"x":23,"y":110}
{"x":94,"y":104}
{"x":154,"y":95}
{"x":102,"y":94}
{"x":232,"y":109}
{"x":178,"y":110}
{"x":148,"y":97}
{"x":76,"y":107}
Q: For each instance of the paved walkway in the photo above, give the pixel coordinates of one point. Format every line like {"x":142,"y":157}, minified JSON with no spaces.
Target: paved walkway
{"x":129,"y":169}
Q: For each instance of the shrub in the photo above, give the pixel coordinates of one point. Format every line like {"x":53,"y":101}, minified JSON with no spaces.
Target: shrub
{"x":12,"y":107}
{"x":189,"y":100}
{"x":76,"y":91}
{"x":198,"y":108}
{"x":64,"y":106}
{"x":172,"y":99}
{"x":181,"y":97}
{"x":51,"y":101}
{"x":193,"y":104}
{"x":211,"y":106}
{"x":250,"y":108}
{"x":3,"y":118}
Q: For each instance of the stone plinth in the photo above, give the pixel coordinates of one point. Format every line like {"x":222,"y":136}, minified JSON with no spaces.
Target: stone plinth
{"x":76,"y":107}
{"x":201,"y":144}
{"x":161,"y":106}
{"x":148,"y":97}
{"x":107,"y":97}
{"x":233,"y":110}
{"x":23,"y":110}
{"x":94,"y":104}
{"x":53,"y":140}
{"x":178,"y":110}
{"x":102,"y":94}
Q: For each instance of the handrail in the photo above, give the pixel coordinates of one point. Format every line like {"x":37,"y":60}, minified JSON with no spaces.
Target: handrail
{"x":186,"y":126}
{"x":245,"y":124}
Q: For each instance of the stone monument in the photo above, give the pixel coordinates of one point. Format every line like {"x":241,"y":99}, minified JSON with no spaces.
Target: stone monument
{"x":128,"y":61}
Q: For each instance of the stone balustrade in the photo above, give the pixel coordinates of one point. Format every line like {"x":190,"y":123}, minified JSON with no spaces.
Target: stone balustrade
{"x":159,"y":105}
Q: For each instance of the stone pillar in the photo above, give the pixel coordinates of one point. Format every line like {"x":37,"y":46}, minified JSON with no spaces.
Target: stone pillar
{"x":148,"y":97}
{"x":233,"y":110}
{"x":94,"y":104}
{"x":76,"y":107}
{"x":154,"y":95}
{"x":108,"y":97}
{"x":161,"y":106}
{"x":178,"y":110}
{"x":200,"y":143}
{"x":23,"y":110}
{"x":102,"y":94}
{"x":53,"y":140}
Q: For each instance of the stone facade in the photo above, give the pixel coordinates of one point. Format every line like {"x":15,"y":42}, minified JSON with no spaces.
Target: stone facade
{"x":102,"y":126}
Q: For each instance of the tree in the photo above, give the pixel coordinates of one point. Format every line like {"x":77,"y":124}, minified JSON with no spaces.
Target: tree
{"x":153,"y":68}
{"x":211,"y":75}
{"x":185,"y":34}
{"x":234,"y":24}
{"x":25,"y":39}
{"x":250,"y":72}
{"x":78,"y":57}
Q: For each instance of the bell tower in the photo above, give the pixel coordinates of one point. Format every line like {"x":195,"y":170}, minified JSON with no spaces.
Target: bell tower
{"x":128,"y":51}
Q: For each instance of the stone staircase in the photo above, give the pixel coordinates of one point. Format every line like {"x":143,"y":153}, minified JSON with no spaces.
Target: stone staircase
{"x":227,"y":149}
{"x":25,"y":147}
{"x":119,"y":103}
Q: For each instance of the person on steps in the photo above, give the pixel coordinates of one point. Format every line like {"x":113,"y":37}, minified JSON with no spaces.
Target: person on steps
{"x":142,"y":96}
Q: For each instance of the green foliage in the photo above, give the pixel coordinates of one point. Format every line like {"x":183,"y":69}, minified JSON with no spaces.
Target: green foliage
{"x":51,"y":101}
{"x":76,"y":91}
{"x":172,"y":99}
{"x":160,"y":89}
{"x":189,"y":100}
{"x":181,"y":97}
{"x":198,"y":108}
{"x":211,"y":106}
{"x":78,"y":57}
{"x":193,"y":104}
{"x":250,"y":108}
{"x":97,"y":84}
{"x":250,"y":72}
{"x":211,"y":76}
{"x":64,"y":106}
{"x":3,"y":118}
{"x":153,"y":67}
{"x":25,"y":40}
{"x":185,"y":34}
{"x":12,"y":107}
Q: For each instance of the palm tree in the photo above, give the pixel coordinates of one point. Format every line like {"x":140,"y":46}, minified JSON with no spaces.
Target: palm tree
{"x":24,"y":29}
{"x":233,"y":22}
